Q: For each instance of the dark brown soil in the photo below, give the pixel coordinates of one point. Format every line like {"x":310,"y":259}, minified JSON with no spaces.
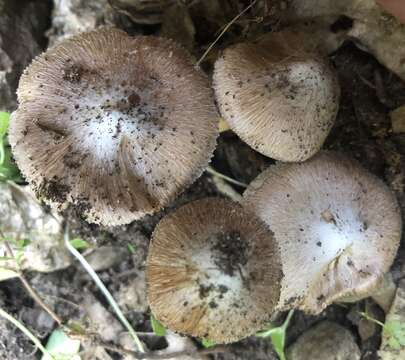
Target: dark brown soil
{"x":230,"y":251}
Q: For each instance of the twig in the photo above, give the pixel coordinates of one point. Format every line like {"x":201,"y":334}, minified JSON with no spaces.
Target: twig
{"x":224,"y":31}
{"x":36,"y":297}
{"x":380,"y":88}
{"x":66,"y":301}
{"x":212,"y":171}
{"x":365,"y":81}
{"x":104,"y":290}
{"x":28,"y":286}
{"x":28,"y":333}
{"x":191,"y":3}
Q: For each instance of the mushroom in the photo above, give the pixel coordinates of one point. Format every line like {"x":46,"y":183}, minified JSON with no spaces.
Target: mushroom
{"x":337,"y":225}
{"x":213,"y":271}
{"x":116,"y":126}
{"x":278,"y":94}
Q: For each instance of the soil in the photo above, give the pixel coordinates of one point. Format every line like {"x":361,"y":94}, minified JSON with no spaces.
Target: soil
{"x":230,"y":252}
{"x":362,"y":131}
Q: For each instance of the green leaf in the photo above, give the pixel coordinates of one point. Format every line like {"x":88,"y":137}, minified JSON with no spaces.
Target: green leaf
{"x":77,"y":327}
{"x":394,"y":330}
{"x":8,"y":169}
{"x":157,"y":327}
{"x":277,"y":335}
{"x":22,"y":243}
{"x":4,"y":123}
{"x":132,"y":248}
{"x":207,"y":343}
{"x":9,"y":173}
{"x":2,"y":152}
{"x":278,"y":341}
{"x":62,"y":347}
{"x":79,"y":244}
{"x":266,"y":333}
{"x":19,"y":257}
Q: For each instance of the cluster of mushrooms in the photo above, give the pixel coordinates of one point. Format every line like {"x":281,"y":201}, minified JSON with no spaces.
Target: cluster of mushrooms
{"x":118,"y":127}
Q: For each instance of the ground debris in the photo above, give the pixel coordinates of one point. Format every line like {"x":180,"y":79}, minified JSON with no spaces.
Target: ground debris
{"x":326,"y":340}
{"x":393,"y":338}
{"x":398,"y":120}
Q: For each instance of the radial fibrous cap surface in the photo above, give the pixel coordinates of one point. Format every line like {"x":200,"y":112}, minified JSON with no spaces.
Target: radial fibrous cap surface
{"x":337,"y":225}
{"x":278,"y":95}
{"x":116,"y":126}
{"x":213,"y":271}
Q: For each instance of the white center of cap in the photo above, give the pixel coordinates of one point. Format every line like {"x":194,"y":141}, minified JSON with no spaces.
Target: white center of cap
{"x":117,"y":112}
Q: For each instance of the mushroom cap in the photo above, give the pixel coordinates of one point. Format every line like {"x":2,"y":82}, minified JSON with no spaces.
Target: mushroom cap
{"x":213,"y":271}
{"x":116,"y":126}
{"x":337,"y":225}
{"x":278,"y":94}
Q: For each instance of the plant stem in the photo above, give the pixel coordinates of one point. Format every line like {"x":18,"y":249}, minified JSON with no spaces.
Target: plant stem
{"x":369,"y":318}
{"x":212,"y":171}
{"x":37,"y":299}
{"x":28,"y":333}
{"x":2,"y":153}
{"x":288,"y":319}
{"x":224,"y":31}
{"x":28,"y":286}
{"x":104,"y":290}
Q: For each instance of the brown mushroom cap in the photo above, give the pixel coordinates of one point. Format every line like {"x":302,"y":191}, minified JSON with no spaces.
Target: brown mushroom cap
{"x":116,"y":126}
{"x":337,"y":225}
{"x":213,"y":271}
{"x":278,"y":95}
